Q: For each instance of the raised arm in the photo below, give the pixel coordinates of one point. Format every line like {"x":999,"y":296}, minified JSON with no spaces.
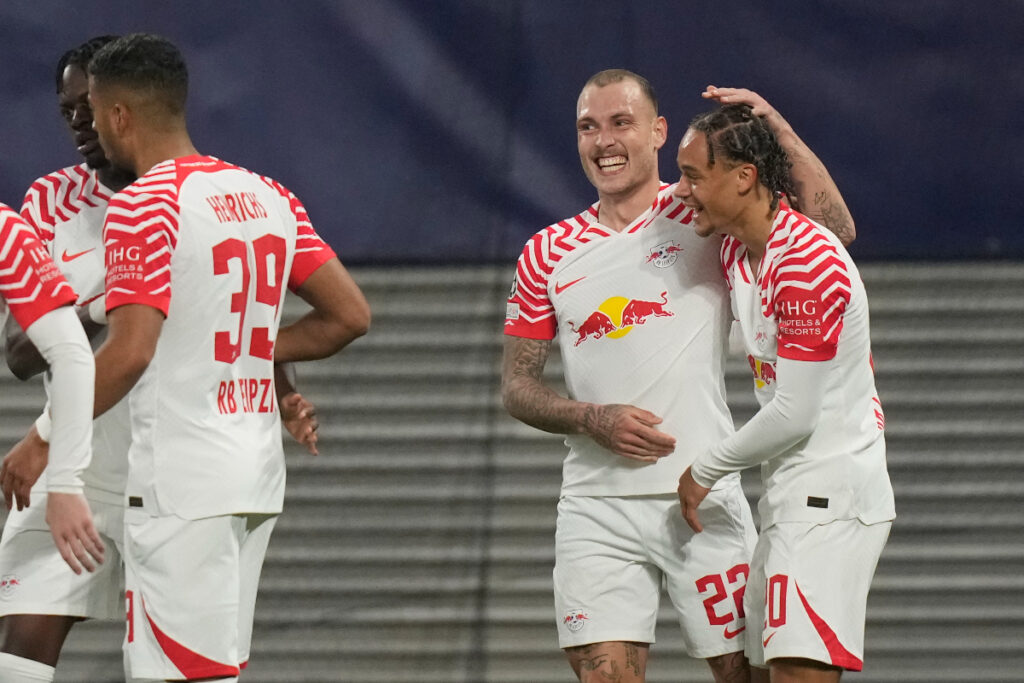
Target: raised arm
{"x":817,"y":195}
{"x":626,"y":430}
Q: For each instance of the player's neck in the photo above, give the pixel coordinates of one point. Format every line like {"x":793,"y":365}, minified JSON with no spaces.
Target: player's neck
{"x":618,"y":211}
{"x":159,"y":146}
{"x":115,"y":179}
{"x":753,"y":227}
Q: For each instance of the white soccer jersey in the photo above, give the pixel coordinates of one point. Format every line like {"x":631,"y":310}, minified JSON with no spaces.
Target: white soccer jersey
{"x":642,"y":319}
{"x":807,"y":303}
{"x":66,"y":208}
{"x":210,"y":245}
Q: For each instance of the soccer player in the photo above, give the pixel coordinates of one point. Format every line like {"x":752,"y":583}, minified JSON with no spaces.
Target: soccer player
{"x":827,"y":504}
{"x":38,"y":297}
{"x":66,"y":208}
{"x":198,"y":252}
{"x":641,"y":312}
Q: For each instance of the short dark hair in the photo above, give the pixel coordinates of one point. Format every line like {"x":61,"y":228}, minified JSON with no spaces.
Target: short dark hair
{"x":80,"y":56}
{"x":734,"y":134}
{"x":609,"y":76}
{"x":144,"y":62}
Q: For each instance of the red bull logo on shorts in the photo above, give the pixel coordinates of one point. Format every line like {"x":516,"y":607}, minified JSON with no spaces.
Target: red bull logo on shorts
{"x":575,"y":619}
{"x":615,"y":317}
{"x":8,"y":584}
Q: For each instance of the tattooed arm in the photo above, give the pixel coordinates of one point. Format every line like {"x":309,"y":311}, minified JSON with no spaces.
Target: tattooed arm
{"x":626,"y":430}
{"x":817,"y":195}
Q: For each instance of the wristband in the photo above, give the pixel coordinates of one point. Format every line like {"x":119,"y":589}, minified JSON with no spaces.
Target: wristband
{"x":44,"y":426}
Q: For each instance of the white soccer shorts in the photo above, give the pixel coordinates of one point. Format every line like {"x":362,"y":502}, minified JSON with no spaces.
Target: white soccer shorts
{"x":808,"y":591}
{"x":191,"y":593}
{"x":35,"y":579}
{"x":612,"y":555}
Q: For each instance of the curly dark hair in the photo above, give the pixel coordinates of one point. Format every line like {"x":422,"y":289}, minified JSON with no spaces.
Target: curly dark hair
{"x":735,"y":135}
{"x":80,"y":56}
{"x":144,"y":62}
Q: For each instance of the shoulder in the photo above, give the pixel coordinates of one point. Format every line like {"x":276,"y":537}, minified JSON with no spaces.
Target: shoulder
{"x":57,"y":196}
{"x":669,"y":206}
{"x":803,"y":254}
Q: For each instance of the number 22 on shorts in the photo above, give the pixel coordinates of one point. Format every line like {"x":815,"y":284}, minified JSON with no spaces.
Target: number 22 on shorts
{"x":719,"y":585}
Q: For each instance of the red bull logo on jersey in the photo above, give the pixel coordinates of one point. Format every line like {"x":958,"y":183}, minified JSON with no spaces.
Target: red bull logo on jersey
{"x":664,"y":254}
{"x":764,"y":372}
{"x":617,"y":316}
{"x":575,"y":619}
{"x":8,"y":584}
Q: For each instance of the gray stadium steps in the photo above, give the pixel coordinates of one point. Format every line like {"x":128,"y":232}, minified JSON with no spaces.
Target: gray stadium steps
{"x":418,"y":546}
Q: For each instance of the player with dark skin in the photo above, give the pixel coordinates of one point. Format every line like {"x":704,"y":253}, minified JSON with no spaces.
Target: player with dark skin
{"x":40,"y":637}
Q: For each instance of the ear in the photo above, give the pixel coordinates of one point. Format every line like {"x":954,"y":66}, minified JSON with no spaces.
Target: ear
{"x":746,"y":178}
{"x":660,"y":132}
{"x":120,"y":118}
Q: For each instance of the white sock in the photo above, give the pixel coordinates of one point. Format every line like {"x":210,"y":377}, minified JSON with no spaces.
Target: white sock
{"x":20,"y":670}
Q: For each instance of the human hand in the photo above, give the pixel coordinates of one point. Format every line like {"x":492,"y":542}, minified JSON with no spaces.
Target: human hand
{"x":70,"y":522}
{"x":758,"y":105}
{"x":628,"y":431}
{"x":690,"y":496}
{"x":21,"y":468}
{"x":299,"y":417}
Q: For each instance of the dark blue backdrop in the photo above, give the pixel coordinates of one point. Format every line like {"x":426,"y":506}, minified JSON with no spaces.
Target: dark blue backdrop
{"x":442,"y":131}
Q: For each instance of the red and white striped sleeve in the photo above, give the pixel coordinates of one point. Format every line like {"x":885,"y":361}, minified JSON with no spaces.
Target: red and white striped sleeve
{"x":811,"y":289}
{"x":529,"y":312}
{"x":311,"y":251}
{"x":30,"y":282}
{"x":140,"y":234}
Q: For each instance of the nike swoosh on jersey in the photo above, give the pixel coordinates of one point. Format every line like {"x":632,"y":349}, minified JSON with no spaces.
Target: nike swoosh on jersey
{"x":66,"y":257}
{"x":770,"y":636}
{"x":732,"y":634}
{"x":561,"y":288}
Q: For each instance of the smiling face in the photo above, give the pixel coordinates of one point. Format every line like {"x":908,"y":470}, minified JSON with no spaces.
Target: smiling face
{"x":618,"y":134}
{"x":76,"y":111}
{"x":713,"y":191}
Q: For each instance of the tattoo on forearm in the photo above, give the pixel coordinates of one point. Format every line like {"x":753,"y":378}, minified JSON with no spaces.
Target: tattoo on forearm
{"x":526,"y":397}
{"x":833,"y":215}
{"x":599,"y":421}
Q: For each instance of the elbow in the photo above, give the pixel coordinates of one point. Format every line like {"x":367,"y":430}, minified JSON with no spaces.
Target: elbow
{"x":19,"y":369}
{"x":850,"y":234}
{"x":804,"y":422}
{"x":135,"y":362}
{"x":359,"y":325}
{"x":355,"y":325}
{"x":510,"y":397}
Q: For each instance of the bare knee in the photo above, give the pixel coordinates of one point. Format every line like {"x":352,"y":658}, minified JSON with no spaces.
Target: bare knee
{"x":609,"y":661}
{"x":731,"y":668}
{"x":38,"y":637}
{"x":798,"y":670}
